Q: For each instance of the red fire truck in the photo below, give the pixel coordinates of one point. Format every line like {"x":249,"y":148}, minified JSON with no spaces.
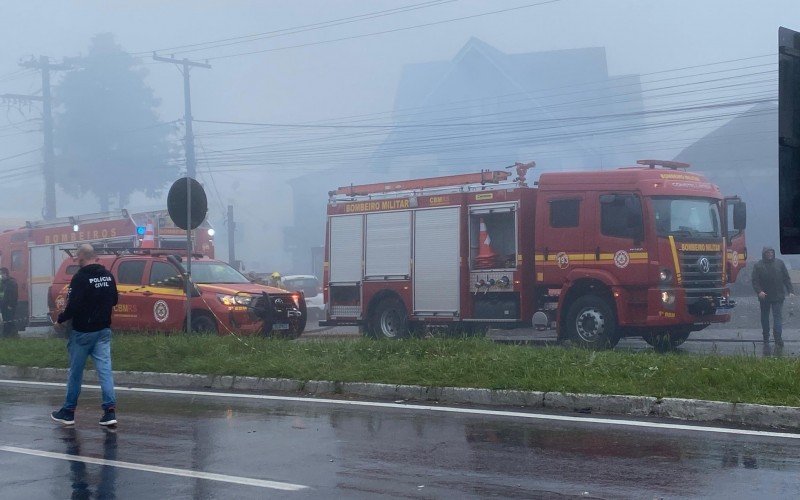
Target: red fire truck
{"x":33,"y":253}
{"x":638,"y":251}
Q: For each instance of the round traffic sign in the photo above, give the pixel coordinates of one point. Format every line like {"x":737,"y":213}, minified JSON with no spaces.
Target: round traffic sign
{"x":176,"y":203}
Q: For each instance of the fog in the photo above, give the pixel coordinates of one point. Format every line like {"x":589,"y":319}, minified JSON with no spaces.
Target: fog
{"x":316,"y":102}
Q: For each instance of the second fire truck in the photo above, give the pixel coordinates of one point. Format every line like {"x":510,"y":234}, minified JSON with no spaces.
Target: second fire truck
{"x":643,"y":251}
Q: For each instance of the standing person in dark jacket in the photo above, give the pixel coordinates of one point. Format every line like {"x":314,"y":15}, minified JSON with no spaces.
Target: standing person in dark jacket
{"x":91,"y":298}
{"x":770,"y":281}
{"x":9,"y":291}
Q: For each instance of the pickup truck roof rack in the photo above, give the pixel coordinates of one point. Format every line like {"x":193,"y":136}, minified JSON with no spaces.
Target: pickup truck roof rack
{"x":72,"y":251}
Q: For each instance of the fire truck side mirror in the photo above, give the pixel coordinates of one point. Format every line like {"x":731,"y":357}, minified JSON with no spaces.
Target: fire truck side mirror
{"x":739,"y":215}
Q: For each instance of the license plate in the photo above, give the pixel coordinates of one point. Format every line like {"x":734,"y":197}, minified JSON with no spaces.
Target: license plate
{"x":280,"y":326}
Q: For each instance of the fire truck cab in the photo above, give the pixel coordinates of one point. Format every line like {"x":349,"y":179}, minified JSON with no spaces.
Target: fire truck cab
{"x":638,"y":251}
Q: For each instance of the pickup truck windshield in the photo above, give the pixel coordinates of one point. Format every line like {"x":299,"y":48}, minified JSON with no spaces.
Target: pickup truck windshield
{"x":216,"y":272}
{"x":687,"y":217}
{"x":309,"y":286}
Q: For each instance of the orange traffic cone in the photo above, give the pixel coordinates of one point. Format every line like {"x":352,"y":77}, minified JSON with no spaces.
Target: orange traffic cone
{"x":149,"y":240}
{"x":486,"y":255}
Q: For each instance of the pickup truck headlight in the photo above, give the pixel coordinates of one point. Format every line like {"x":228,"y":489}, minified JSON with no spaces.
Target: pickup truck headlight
{"x":668,"y":298}
{"x":665,"y":275}
{"x":235,"y":300}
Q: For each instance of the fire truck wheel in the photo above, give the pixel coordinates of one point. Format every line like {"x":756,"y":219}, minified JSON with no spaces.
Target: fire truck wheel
{"x":389,"y":320}
{"x":203,"y":323}
{"x":591,"y":323}
{"x":667,"y":341}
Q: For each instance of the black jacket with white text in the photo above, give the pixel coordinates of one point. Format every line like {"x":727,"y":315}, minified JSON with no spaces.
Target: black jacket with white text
{"x":91,"y":299}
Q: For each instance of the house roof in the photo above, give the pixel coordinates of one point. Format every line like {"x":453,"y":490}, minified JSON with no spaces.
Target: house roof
{"x":749,"y":137}
{"x":525,"y":71}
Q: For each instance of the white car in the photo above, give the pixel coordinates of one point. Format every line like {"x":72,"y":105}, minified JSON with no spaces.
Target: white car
{"x":311,"y":288}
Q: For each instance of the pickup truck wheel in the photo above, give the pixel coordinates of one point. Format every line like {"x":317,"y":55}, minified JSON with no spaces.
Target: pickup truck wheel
{"x":591,"y":323}
{"x":298,"y":325}
{"x":389,"y":320}
{"x":668,"y":340}
{"x":203,"y":324}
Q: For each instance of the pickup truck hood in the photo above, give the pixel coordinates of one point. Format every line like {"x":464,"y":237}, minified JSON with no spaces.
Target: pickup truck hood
{"x":234,"y":288}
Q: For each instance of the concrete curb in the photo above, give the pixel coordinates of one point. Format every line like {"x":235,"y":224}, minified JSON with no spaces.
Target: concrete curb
{"x":754,"y":415}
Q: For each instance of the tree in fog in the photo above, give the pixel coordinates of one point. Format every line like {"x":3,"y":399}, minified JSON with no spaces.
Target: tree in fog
{"x":110,"y":140}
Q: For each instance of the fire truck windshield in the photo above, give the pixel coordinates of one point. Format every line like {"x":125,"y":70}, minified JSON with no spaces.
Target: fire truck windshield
{"x":687,"y":217}
{"x":216,"y":272}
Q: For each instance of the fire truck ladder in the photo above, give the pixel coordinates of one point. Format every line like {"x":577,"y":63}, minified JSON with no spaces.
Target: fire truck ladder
{"x":78,"y":219}
{"x":485,"y":179}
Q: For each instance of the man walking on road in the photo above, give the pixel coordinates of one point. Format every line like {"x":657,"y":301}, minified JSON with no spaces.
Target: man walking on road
{"x":9,"y":296}
{"x":92,"y":296}
{"x":770,"y":281}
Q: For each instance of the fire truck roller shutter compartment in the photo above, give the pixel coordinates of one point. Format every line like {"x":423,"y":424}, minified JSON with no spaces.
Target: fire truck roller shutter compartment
{"x":388,"y":252}
{"x":346,"y":257}
{"x":436,"y":261}
{"x":42,"y":269}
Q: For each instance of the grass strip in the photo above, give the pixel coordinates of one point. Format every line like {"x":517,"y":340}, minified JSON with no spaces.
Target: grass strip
{"x":445,"y":362}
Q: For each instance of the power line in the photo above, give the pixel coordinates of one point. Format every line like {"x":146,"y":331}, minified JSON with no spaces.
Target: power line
{"x":412,"y":145}
{"x":21,"y":154}
{"x":304,"y":157}
{"x":195,"y":47}
{"x":705,"y":101}
{"x":635,"y":84}
{"x":304,"y":154}
{"x":384,"y":32}
{"x":507,"y":122}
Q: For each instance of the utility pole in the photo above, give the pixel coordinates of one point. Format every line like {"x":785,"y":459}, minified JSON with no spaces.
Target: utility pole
{"x":44,"y":65}
{"x":191,"y":165}
{"x":231,"y":242}
{"x":184,"y":65}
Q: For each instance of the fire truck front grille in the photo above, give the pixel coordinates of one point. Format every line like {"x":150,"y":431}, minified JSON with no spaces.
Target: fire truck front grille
{"x":346,"y":311}
{"x":702,"y":274}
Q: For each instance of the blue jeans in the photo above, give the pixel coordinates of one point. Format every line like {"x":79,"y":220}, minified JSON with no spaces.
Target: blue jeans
{"x":777,"y":320}
{"x":97,"y":345}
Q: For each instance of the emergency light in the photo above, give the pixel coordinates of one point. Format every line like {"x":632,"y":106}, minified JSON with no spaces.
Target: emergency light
{"x":140,"y":230}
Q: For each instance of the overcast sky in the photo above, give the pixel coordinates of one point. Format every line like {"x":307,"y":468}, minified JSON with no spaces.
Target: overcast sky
{"x":339,"y":79}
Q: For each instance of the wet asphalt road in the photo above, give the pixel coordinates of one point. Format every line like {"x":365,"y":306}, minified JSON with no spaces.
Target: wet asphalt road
{"x":342,"y":451}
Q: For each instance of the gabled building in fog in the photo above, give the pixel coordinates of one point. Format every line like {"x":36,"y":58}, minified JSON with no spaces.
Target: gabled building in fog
{"x":488,"y":109}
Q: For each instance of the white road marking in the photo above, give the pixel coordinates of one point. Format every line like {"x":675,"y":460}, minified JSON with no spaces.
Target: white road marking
{"x":275,"y":485}
{"x":439,"y":409}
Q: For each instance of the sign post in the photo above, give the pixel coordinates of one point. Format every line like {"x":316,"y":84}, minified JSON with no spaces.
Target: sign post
{"x":789,"y":139}
{"x":188,"y":206}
